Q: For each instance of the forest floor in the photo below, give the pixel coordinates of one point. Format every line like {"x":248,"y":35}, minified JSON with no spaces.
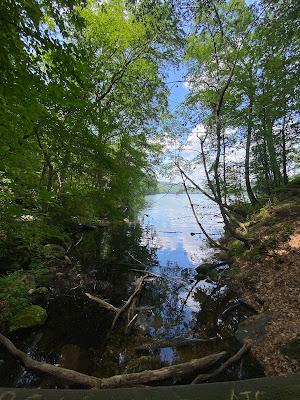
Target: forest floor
{"x":268,"y":278}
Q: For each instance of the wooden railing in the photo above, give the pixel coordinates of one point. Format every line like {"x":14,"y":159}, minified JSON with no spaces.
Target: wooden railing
{"x":277,"y":388}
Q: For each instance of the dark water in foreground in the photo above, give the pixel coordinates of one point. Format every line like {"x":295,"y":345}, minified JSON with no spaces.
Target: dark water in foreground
{"x":77,"y":332}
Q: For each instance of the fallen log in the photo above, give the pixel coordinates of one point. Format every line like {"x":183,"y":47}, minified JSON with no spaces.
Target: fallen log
{"x":236,"y":357}
{"x":175,"y":342}
{"x":133,"y":379}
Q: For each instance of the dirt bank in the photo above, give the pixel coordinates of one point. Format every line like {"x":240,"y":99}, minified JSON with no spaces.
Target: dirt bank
{"x":268,"y":277}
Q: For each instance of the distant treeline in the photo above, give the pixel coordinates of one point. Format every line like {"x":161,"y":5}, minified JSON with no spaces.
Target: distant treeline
{"x":168,"y":187}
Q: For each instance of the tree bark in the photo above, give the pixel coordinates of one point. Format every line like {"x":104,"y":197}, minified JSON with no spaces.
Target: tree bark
{"x":284,"y":163}
{"x":250,"y":193}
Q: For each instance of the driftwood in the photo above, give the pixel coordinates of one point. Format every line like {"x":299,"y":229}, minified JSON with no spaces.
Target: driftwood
{"x":133,"y":379}
{"x":130,"y":307}
{"x":175,"y":342}
{"x":236,"y":357}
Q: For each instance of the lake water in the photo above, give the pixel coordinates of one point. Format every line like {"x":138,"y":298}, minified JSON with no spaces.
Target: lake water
{"x":164,"y":241}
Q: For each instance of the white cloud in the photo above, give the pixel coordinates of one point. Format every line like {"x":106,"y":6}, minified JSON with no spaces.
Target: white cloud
{"x":191,"y":148}
{"x":236,"y":154}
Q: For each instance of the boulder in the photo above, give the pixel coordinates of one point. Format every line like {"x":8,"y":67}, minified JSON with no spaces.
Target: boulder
{"x":28,"y":317}
{"x":252,"y":327}
{"x":53,"y":251}
{"x":39,"y":296}
{"x":292,"y":348}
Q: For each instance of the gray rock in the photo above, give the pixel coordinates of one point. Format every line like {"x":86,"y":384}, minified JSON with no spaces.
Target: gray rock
{"x":252,"y":327}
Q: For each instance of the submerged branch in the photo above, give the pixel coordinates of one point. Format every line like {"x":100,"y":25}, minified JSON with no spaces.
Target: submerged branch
{"x":103,"y":303}
{"x":236,"y":357}
{"x":175,"y":342}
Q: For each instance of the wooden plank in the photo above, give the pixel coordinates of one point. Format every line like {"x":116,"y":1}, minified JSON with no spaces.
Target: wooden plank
{"x":277,"y":388}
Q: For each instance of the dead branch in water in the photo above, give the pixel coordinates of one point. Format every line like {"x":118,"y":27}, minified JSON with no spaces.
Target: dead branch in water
{"x":137,"y":290}
{"x":103,"y":303}
{"x":133,"y":379}
{"x":130,"y":306}
{"x":169,"y":278}
{"x":236,"y":357}
{"x":175,"y":342}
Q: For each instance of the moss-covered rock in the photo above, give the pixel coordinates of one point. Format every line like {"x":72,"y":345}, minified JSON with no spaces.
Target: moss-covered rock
{"x":53,"y":251}
{"x":28,"y":317}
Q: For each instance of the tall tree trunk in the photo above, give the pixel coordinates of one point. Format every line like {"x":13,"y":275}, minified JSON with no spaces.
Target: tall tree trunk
{"x":227,"y":223}
{"x":50,"y":176}
{"x":224,"y":168}
{"x":250,"y":193}
{"x":269,"y":137}
{"x":284,"y":166}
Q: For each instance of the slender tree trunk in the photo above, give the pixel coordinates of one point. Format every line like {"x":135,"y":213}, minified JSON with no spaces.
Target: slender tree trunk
{"x":250,"y":193}
{"x":224,"y":168}
{"x":227,"y":223}
{"x":210,"y":184}
{"x":50,"y":176}
{"x":269,"y":139}
{"x":284,"y":163}
{"x":209,"y":238}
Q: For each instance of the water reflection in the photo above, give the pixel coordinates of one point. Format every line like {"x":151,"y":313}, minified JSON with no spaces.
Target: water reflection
{"x":106,"y":264}
{"x":168,"y":223}
{"x":167,"y":226}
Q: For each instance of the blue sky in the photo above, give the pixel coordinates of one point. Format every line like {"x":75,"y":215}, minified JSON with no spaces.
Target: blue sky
{"x":178,"y":91}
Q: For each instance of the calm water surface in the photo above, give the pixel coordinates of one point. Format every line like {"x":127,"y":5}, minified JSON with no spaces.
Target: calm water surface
{"x":165,"y":241}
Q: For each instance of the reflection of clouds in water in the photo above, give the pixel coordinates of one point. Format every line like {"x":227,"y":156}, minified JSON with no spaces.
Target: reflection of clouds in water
{"x":168,"y":223}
